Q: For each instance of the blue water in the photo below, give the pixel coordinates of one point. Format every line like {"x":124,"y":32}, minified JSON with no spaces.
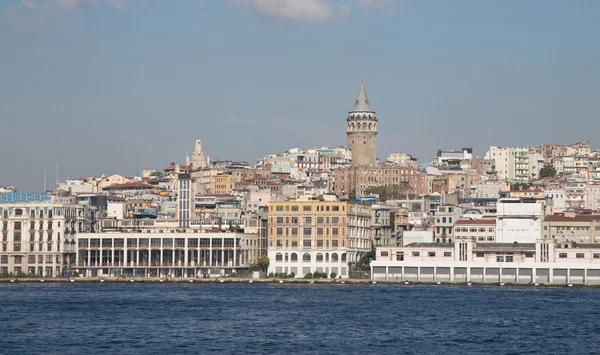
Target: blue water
{"x":306,"y":319}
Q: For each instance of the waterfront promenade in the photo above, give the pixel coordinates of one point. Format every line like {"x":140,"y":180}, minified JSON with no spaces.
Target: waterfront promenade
{"x":228,"y":280}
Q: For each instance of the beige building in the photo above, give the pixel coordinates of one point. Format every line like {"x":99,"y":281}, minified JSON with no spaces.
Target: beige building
{"x":478,"y":230}
{"x":317,"y":235}
{"x":572,"y":227}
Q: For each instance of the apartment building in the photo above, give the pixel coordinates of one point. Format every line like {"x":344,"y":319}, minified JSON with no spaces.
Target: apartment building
{"x":479,"y":230}
{"x":572,"y":227}
{"x":510,"y":163}
{"x":317,"y":235}
{"x":39,"y":237}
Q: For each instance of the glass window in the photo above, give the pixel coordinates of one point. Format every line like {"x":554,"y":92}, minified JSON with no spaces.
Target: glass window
{"x":416,"y":253}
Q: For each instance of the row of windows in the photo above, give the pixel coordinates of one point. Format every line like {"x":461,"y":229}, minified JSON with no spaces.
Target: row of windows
{"x":308,"y":220}
{"x":31,"y":259}
{"x":307,"y":243}
{"x":578,"y":255}
{"x":307,"y":257}
{"x":156,"y":242}
{"x":429,"y":254}
{"x":473,"y":229}
{"x":308,"y":208}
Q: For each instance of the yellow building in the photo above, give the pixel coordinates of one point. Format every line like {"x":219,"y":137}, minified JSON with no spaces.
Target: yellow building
{"x":221,"y":184}
{"x":315,"y":235}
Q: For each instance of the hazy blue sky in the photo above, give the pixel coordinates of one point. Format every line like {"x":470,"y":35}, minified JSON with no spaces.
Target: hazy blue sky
{"x":113,"y":86}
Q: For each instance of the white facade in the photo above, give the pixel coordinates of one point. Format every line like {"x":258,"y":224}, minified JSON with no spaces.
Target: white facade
{"x":75,"y":187}
{"x":301,"y":262}
{"x":510,"y":163}
{"x":592,"y":197}
{"x":558,"y":198}
{"x":38,"y":238}
{"x":518,"y":221}
{"x":116,"y":209}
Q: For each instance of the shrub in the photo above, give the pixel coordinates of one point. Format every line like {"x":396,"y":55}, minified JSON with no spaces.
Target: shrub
{"x":333,"y":275}
{"x":292,"y":275}
{"x":308,"y":276}
{"x":271,"y":275}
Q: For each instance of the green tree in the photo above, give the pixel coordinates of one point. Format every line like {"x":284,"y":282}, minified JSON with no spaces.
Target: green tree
{"x":393,"y":192}
{"x":519,"y":186}
{"x":547,"y":171}
{"x":264,"y":262}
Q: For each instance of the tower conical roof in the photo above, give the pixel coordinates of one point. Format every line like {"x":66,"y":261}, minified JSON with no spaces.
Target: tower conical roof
{"x":362,"y":101}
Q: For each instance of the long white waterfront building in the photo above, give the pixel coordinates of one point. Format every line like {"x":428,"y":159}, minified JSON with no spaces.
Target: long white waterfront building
{"x":544,"y":261}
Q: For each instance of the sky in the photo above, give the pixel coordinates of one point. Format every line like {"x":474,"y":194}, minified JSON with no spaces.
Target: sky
{"x":114,"y":86}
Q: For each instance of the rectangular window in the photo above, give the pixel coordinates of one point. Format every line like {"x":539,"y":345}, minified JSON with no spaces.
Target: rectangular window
{"x":480,"y":254}
{"x":320,"y":232}
{"x":294,"y":208}
{"x":334,"y":243}
{"x":384,"y":253}
{"x":416,"y":253}
{"x":307,"y":220}
{"x":334,"y":232}
{"x":335,"y":208}
{"x":579,"y":255}
{"x":431,"y":254}
{"x":562,"y":255}
{"x":279,"y":232}
{"x":294,"y":220}
{"x":447,"y":254}
{"x":529,"y":255}
{"x":500,"y":258}
{"x":319,"y":242}
{"x":306,"y":208}
{"x":306,"y":243}
{"x":279,"y":208}
{"x":294,"y":232}
{"x":509,"y":258}
{"x":279,"y":220}
{"x":596,"y":255}
{"x":307,"y":231}
{"x":335,"y":220}
{"x":319,"y":220}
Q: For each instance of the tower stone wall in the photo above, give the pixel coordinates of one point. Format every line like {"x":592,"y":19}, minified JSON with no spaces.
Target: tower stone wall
{"x":361,"y":130}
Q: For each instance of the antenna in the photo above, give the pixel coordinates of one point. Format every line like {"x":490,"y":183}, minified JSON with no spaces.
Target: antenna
{"x":56,"y":174}
{"x":44,"y":182}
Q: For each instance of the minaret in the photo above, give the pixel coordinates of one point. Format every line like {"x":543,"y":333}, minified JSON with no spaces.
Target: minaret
{"x":362,"y":129}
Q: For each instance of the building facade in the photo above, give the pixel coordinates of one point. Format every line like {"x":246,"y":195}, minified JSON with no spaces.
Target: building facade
{"x":323,"y":236}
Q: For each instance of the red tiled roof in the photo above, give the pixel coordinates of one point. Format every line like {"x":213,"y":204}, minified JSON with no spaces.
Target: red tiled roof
{"x":576,"y":218}
{"x":475,"y":221}
{"x":130,"y":185}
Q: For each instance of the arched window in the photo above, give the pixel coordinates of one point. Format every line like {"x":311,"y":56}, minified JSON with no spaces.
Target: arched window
{"x":278,"y":257}
{"x":364,"y":126}
{"x":286,"y":257}
{"x":370,"y":126}
{"x":326,"y":257}
{"x":294,"y":257}
{"x":306,"y":257}
{"x":334,"y":258}
{"x":344,"y":257}
{"x":320,"y":257}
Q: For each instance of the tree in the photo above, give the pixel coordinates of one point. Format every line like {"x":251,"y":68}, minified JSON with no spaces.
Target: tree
{"x":393,"y":192}
{"x":547,"y":171}
{"x":519,"y":186}
{"x":264,"y":262}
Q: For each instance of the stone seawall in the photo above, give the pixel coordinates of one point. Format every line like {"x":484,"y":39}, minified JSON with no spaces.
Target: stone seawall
{"x":279,"y":281}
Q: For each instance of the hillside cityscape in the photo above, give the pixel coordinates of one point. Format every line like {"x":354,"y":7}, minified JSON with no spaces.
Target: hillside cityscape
{"x":513,"y":214}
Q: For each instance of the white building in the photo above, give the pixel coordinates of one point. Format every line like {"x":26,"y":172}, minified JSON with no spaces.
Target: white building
{"x":403,"y":159}
{"x":510,"y":163}
{"x":592,"y":197}
{"x":38,"y":238}
{"x":153,"y":253}
{"x":558,"y":198}
{"x":519,"y":220}
{"x":75,"y":187}
{"x":544,"y":261}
